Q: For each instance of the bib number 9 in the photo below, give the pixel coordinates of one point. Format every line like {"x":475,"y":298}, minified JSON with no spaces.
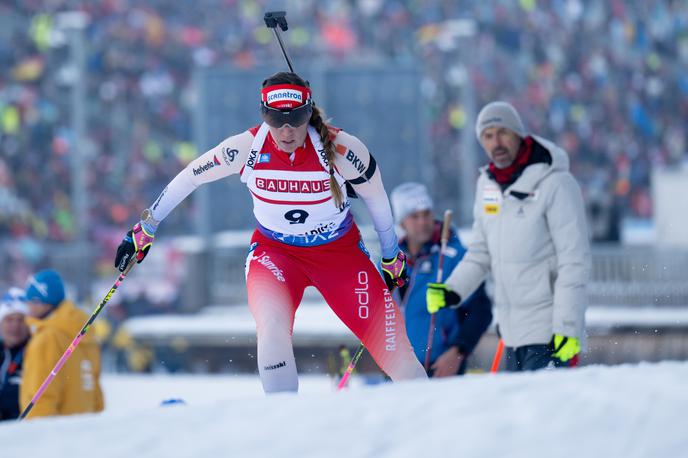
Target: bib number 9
{"x":296,"y":216}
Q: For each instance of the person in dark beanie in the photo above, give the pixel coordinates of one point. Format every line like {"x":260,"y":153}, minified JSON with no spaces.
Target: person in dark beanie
{"x":531,"y":233}
{"x":54,"y":322}
{"x":14,"y":335}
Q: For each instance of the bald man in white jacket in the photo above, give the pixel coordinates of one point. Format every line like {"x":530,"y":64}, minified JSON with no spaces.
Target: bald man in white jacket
{"x":530,"y":232}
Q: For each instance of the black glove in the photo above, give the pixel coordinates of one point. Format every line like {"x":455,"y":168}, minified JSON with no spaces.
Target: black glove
{"x":125,"y":251}
{"x":137,"y":242}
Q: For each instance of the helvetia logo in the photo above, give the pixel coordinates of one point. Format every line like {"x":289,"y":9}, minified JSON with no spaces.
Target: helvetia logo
{"x":207,"y":166}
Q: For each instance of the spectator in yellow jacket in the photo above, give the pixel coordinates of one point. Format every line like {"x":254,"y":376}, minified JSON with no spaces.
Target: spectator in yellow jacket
{"x":54,"y":323}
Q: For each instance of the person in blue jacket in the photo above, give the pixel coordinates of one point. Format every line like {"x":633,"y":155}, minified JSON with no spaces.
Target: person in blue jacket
{"x":457,"y":331}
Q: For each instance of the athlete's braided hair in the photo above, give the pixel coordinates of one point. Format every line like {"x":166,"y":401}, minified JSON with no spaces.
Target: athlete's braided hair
{"x":318,"y":122}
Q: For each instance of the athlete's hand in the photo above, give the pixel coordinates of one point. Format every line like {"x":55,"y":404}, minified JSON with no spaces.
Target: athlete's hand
{"x":136,"y":242}
{"x":439,"y":296}
{"x":394,"y":271}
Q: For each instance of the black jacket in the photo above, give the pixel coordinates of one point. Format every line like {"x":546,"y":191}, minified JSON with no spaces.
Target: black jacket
{"x":11,"y":361}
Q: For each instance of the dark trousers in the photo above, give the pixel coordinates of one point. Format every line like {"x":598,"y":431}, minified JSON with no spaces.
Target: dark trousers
{"x":9,"y":401}
{"x":531,"y":358}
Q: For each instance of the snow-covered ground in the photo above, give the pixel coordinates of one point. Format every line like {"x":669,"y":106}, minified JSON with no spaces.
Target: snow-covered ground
{"x":136,"y":393}
{"x":623,"y":411}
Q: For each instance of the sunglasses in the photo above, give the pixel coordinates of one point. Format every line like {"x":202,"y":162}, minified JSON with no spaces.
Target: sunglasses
{"x":274,"y":117}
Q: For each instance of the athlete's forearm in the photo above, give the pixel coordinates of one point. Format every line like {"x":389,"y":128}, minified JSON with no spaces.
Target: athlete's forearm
{"x":374,"y":196}
{"x":175,"y":192}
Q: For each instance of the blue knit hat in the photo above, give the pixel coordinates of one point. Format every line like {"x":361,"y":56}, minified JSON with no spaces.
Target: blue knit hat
{"x":47,"y":287}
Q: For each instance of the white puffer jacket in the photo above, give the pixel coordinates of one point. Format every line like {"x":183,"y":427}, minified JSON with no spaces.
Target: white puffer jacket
{"x":533,"y":237}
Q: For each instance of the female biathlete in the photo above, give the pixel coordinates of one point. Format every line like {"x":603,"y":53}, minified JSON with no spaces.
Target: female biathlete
{"x":296,"y":168}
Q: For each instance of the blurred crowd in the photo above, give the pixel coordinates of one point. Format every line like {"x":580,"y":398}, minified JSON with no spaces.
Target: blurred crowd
{"x":606,"y":80}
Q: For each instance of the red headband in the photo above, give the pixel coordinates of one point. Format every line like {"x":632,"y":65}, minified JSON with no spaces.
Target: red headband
{"x":283,"y":96}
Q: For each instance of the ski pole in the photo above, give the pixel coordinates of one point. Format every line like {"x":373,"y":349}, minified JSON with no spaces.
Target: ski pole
{"x":497,"y":357}
{"x":68,"y":352}
{"x":350,"y":368}
{"x":440,"y":267}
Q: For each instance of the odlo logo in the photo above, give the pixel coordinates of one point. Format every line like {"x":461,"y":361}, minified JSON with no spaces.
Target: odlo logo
{"x":362,"y":295}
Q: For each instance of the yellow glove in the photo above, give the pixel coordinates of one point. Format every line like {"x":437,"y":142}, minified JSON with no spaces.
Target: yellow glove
{"x":565,"y":348}
{"x":439,"y":296}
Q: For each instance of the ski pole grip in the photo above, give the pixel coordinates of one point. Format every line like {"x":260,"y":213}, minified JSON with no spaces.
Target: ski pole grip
{"x":132,"y":261}
{"x":445,"y":226}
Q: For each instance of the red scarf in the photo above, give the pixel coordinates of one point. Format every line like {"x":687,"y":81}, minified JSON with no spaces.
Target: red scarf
{"x":507,"y":174}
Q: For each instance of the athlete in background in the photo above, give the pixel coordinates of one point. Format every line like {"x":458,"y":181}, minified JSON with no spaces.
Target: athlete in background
{"x":297,"y":169}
